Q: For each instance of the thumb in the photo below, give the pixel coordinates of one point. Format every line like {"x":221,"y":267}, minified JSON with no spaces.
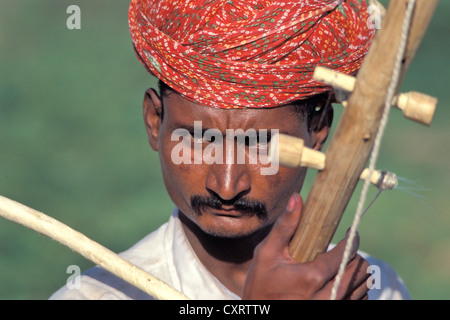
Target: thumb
{"x":286,"y":224}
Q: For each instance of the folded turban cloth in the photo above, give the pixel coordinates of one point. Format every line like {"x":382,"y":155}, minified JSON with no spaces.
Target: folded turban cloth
{"x":248,"y":53}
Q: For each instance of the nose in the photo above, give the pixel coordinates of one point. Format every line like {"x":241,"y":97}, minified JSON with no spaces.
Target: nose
{"x":228,"y":181}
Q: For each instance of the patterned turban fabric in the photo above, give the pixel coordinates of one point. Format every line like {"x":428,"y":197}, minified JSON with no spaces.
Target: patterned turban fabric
{"x":248,"y":53}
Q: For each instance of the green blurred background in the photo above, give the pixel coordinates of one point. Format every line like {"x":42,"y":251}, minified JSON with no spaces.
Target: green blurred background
{"x":73,"y":145}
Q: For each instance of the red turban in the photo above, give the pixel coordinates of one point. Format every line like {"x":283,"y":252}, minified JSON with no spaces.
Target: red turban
{"x":248,"y":53}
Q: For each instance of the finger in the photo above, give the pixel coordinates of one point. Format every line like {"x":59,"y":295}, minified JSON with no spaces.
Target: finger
{"x":360,"y":293}
{"x":332,"y":259}
{"x":285,"y":225}
{"x":344,"y":293}
{"x":359,"y":287}
{"x":353,"y":284}
{"x":358,"y":275}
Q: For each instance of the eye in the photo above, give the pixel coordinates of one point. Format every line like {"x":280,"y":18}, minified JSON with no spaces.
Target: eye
{"x":196,"y":137}
{"x":260,"y":140}
{"x":264,"y":138}
{"x":206,"y":136}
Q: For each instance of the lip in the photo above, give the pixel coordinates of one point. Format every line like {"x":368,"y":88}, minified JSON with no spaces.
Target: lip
{"x":227,"y":212}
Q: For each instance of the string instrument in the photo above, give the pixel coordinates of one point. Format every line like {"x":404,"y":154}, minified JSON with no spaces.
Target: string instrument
{"x":348,"y":152}
{"x":354,"y":137}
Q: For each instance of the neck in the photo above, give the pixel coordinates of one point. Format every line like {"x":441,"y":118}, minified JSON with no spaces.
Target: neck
{"x":228,"y":259}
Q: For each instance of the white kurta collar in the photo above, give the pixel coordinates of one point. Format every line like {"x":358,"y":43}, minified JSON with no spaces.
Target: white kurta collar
{"x":188,"y":272}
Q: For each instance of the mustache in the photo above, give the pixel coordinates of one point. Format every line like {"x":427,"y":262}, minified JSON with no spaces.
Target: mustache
{"x":244,"y":205}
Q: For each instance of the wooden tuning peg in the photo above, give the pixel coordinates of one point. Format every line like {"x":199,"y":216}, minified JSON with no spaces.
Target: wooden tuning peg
{"x":291,"y":152}
{"x":384,"y":180}
{"x":415,"y":106}
{"x":337,"y":80}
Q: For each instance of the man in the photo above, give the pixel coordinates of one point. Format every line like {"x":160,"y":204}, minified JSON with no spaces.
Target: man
{"x":231,"y":73}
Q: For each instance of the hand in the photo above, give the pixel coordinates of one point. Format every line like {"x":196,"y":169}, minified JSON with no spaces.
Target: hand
{"x":274,"y":274}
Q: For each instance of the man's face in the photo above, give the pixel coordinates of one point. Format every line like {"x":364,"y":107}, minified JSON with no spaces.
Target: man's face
{"x":227,"y":198}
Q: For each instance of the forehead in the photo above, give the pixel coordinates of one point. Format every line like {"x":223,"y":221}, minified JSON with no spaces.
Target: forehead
{"x":179,"y":112}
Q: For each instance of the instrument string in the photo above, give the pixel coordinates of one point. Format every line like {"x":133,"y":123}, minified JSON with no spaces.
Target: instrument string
{"x":377,"y":143}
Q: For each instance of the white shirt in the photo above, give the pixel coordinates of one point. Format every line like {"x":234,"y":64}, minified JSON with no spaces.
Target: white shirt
{"x":167,"y":255}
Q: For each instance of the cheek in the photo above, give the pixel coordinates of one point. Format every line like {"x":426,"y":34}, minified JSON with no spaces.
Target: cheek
{"x":282,"y":185}
{"x":287,"y":180}
{"x":181,"y":180}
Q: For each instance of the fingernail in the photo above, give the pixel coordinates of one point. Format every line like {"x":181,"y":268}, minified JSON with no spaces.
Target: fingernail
{"x":292,"y":203}
{"x":348,"y":232}
{"x":355,"y":239}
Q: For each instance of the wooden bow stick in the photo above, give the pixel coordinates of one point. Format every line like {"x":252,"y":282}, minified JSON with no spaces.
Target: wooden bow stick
{"x":88,"y":248}
{"x":353,"y":140}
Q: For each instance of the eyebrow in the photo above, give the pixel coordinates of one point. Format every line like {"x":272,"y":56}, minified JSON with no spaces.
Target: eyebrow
{"x":191,"y":129}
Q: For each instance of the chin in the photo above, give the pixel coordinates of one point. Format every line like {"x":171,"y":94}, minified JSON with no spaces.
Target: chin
{"x":227,"y":234}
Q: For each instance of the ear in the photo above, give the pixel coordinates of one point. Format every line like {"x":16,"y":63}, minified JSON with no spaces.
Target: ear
{"x":321,"y":126}
{"x":152,"y":116}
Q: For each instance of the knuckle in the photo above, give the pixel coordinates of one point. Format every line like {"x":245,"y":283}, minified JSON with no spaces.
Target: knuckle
{"x":314,"y":278}
{"x":261,"y":250}
{"x":363,"y":263}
